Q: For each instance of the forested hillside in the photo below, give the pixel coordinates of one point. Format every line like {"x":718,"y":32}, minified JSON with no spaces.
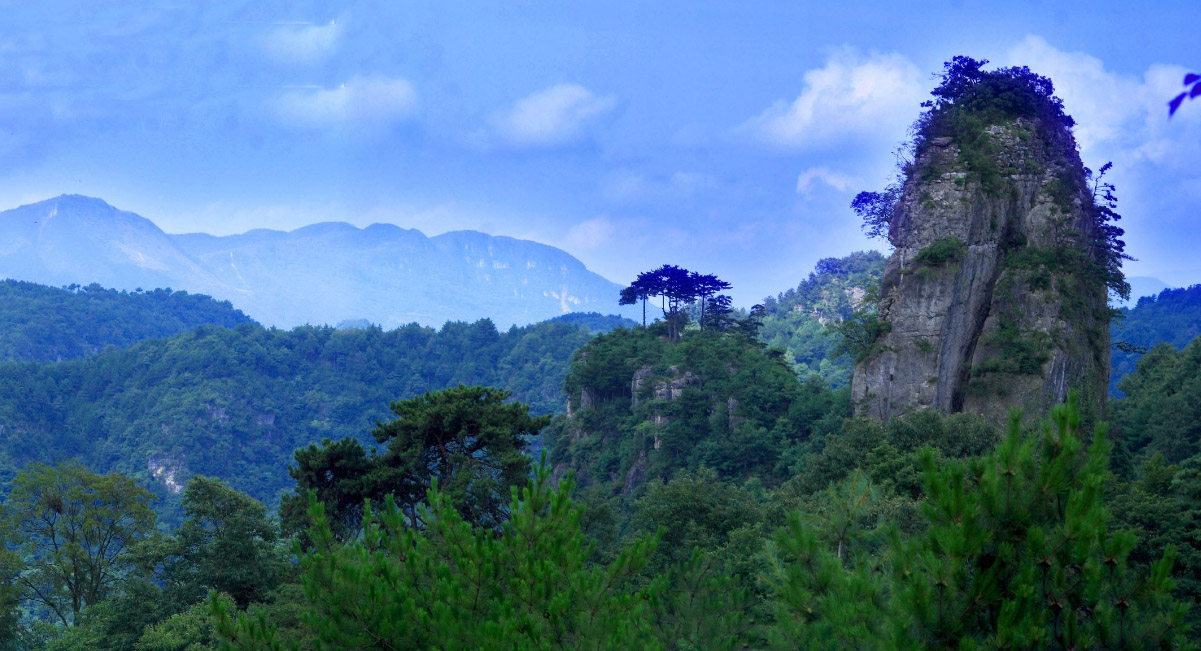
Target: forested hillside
{"x":1172,"y":317}
{"x":707,"y":497}
{"x":643,"y":408}
{"x":796,"y":320}
{"x":47,"y":324}
{"x":235,"y":403}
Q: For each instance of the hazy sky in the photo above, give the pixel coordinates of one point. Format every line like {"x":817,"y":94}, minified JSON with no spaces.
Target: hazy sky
{"x":726,"y":137}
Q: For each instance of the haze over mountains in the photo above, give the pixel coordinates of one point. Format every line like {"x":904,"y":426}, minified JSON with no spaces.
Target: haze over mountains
{"x":323,"y":273}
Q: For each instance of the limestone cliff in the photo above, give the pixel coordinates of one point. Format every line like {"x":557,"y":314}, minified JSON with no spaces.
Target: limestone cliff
{"x":995,"y":295}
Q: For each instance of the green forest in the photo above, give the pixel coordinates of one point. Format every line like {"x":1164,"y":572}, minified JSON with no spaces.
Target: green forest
{"x":235,"y":400}
{"x":699,"y":493}
{"x":182,"y":478}
{"x":48,"y":324}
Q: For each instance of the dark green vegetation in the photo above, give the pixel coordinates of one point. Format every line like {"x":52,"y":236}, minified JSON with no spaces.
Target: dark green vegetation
{"x":1160,"y":412}
{"x":940,"y":252}
{"x":797,"y":320}
{"x":1015,"y":551}
{"x":593,"y":321}
{"x":45,"y":324}
{"x":1173,"y":317}
{"x":678,"y":290}
{"x":236,"y":403}
{"x":707,"y":497}
{"x":469,"y":440}
{"x":644,"y":408}
{"x":930,"y":531}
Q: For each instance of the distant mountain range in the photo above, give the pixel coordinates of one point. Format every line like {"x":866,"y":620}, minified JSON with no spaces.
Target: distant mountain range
{"x":1141,"y":286}
{"x":319,"y":274}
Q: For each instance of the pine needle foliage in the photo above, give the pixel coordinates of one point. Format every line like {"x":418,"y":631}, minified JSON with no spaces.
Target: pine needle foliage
{"x":1017,"y":553}
{"x":455,"y":585}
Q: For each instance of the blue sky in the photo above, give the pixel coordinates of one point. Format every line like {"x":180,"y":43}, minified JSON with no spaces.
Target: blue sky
{"x":724,"y":137}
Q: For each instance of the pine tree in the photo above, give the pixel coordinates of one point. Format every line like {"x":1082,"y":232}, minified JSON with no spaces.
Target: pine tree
{"x":456,"y":585}
{"x":1017,"y":553}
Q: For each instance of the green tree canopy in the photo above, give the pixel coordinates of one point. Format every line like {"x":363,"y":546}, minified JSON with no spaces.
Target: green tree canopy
{"x":459,"y":586}
{"x":226,"y":543}
{"x":470,"y":439}
{"x":78,"y":534}
{"x":1018,"y":552}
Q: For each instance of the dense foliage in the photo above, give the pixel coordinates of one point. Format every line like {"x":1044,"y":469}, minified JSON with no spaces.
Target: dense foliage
{"x":798,"y":320}
{"x":927,"y":530}
{"x":235,"y":403}
{"x":1173,"y":317}
{"x":78,"y":535}
{"x":648,"y":408}
{"x":1016,"y":552}
{"x":1158,"y":458}
{"x":471,"y":440}
{"x":46,"y":324}
{"x":1161,"y":409}
{"x":456,"y":586}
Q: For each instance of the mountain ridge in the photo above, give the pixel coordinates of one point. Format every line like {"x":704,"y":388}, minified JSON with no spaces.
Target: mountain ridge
{"x":320,"y":273}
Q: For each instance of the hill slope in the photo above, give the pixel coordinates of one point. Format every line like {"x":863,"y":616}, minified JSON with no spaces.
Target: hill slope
{"x":1173,"y":317}
{"x":796,"y":319}
{"x":47,"y":324}
{"x":235,"y":403}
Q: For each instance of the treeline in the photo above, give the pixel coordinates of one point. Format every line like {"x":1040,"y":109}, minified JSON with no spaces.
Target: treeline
{"x":1173,"y":317}
{"x":698,"y":496}
{"x":236,"y":403}
{"x":47,"y":324}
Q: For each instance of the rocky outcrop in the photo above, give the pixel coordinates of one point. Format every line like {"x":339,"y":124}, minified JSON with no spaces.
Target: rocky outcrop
{"x":992,"y":298}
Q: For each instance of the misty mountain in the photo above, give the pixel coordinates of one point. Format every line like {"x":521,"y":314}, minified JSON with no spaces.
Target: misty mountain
{"x":323,"y":273}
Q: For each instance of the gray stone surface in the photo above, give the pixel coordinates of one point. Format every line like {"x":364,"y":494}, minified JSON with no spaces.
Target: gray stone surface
{"x":946,"y":320}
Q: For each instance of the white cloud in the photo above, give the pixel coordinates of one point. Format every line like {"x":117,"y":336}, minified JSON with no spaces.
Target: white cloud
{"x":1116,"y":114}
{"x":302,"y":44}
{"x":361,"y":100}
{"x":1123,"y":117}
{"x":552,"y":116}
{"x":589,"y":234}
{"x":632,"y":187}
{"x":851,"y":95}
{"x":1102,"y":102}
{"x":837,"y":180}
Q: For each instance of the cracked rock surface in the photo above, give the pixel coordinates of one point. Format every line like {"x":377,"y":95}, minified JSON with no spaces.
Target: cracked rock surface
{"x":997,"y":326}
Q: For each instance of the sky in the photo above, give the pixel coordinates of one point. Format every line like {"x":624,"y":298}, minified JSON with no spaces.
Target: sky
{"x":728,"y":138}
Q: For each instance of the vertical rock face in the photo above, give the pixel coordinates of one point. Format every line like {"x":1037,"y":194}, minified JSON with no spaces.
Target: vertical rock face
{"x":993,"y":297}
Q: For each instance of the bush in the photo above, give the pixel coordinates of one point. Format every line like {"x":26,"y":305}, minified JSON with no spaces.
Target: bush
{"x":941,"y":251}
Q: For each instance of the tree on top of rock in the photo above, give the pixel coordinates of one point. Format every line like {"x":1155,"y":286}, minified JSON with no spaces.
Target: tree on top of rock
{"x":677,"y":288}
